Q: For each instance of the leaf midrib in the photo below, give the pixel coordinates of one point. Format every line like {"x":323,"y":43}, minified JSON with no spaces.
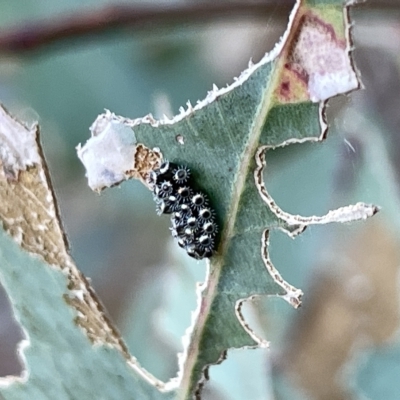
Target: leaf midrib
{"x":216,"y":264}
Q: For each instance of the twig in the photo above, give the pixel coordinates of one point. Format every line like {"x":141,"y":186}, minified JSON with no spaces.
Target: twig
{"x":38,"y":35}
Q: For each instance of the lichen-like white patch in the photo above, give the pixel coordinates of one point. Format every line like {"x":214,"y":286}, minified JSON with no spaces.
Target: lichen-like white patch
{"x":18,"y":148}
{"x":322,"y":86}
{"x":109,"y":154}
{"x":325,"y":59}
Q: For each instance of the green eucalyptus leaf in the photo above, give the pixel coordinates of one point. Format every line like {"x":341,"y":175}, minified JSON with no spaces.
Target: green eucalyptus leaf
{"x":224,"y":140}
{"x":71,"y":350}
{"x":60,"y":360}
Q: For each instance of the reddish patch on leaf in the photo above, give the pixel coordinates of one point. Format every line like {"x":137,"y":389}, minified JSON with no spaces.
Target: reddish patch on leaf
{"x":293,"y":85}
{"x":285,"y":89}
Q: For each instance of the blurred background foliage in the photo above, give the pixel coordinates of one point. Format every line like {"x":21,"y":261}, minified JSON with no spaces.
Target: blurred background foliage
{"x":343,"y":343}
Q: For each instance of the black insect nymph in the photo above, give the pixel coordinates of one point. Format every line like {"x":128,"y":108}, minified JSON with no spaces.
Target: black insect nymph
{"x":193,"y":220}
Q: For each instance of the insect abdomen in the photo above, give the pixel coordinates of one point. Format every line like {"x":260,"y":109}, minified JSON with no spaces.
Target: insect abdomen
{"x":193,"y":220}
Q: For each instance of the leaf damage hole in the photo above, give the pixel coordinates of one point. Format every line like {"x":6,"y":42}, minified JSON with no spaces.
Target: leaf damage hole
{"x":157,"y":309}
{"x":299,"y":177}
{"x":292,"y":295}
{"x":247,"y":366}
{"x":354,"y":212}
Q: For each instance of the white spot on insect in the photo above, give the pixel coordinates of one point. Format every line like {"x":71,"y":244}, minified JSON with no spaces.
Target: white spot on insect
{"x":180,"y":140}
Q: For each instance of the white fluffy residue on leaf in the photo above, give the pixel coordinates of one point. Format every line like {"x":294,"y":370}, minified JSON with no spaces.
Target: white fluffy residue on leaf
{"x":18,"y":148}
{"x":109,"y":154}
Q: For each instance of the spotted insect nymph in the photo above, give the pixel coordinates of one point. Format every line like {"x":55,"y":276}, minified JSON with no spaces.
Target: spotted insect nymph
{"x":193,"y":220}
